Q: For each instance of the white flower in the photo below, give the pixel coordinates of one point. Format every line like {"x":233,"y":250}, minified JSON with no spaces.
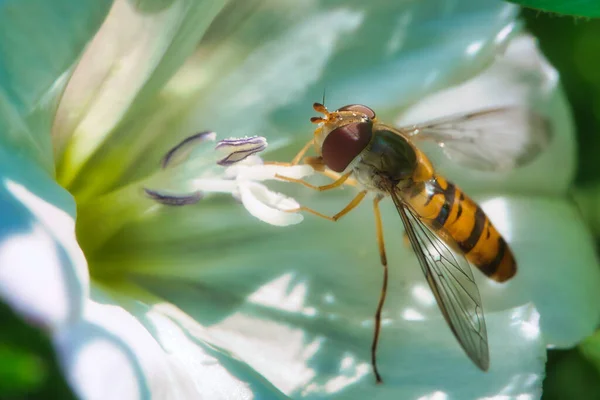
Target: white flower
{"x":205,"y":301}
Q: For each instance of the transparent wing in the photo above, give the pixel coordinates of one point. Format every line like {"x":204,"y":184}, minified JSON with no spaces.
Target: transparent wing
{"x":451,"y":280}
{"x":495,"y":139}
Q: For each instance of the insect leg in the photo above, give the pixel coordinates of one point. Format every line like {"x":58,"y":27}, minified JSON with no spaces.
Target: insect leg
{"x":381,"y":244}
{"x":316,"y":162}
{"x":339,"y":182}
{"x":335,"y":175}
{"x":351,"y":206}
{"x":296,"y":159}
{"x":319,"y":166}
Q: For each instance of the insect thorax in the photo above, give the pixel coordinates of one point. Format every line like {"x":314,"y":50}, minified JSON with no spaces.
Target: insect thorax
{"x":388,"y":160}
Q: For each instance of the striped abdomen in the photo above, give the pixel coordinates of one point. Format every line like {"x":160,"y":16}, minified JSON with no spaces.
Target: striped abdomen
{"x":442,"y":203}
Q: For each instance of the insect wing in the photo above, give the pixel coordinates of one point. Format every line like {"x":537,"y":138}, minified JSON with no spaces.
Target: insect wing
{"x":451,"y":280}
{"x":496,"y":139}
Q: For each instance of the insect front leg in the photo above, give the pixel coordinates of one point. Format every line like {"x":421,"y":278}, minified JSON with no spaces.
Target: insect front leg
{"x":319,"y":165}
{"x":296,"y":158}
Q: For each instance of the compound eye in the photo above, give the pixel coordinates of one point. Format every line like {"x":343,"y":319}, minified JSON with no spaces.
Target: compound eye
{"x":345,"y":143}
{"x":359,"y":108}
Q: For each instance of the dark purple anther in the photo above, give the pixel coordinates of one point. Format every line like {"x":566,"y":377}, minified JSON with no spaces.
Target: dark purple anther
{"x":240,"y":149}
{"x":172,"y":199}
{"x":184,"y":147}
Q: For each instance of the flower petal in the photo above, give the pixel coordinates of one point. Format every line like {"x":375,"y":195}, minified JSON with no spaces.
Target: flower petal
{"x":40,"y":42}
{"x":548,"y":238}
{"x":43,"y":273}
{"x":332,"y":362}
{"x":145,"y":354}
{"x":558,"y":265}
{"x":521,"y":77}
{"x":356,"y":51}
{"x":310,"y":353}
{"x":260,"y":67}
{"x":132,"y":56}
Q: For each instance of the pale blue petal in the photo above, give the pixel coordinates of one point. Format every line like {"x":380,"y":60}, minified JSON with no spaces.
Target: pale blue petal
{"x":43,"y":273}
{"x":219,"y":246}
{"x":558,"y":265}
{"x":150,"y":351}
{"x":309,"y":359}
{"x":135,"y":52}
{"x":320,"y":353}
{"x":39,"y":42}
{"x":521,"y":77}
{"x":378,"y":53}
{"x":261,"y":65}
{"x":316,"y":286}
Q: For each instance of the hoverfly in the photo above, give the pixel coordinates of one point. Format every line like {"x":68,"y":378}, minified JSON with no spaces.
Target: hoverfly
{"x":446,"y":228}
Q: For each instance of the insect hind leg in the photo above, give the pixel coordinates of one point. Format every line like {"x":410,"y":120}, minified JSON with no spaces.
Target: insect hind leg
{"x":383,"y":257}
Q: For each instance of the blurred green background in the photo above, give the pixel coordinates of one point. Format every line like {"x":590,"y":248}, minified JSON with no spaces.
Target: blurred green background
{"x":29,"y":369}
{"x":573,"y":46}
{"x":28,"y":366}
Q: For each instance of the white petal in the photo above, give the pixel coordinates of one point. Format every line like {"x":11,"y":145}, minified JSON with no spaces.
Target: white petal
{"x":144,"y":354}
{"x":36,"y":57}
{"x":310,"y":360}
{"x":110,"y":345}
{"x":346,"y":49}
{"x":326,"y":277}
{"x":257,"y":72}
{"x":310,"y":352}
{"x":136,"y":50}
{"x":557,"y":265}
{"x":92,"y":359}
{"x":267,"y":205}
{"x":521,"y":77}
{"x":43,"y":273}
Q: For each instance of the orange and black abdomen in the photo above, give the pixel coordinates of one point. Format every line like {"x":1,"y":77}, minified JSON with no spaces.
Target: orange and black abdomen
{"x":444,"y":204}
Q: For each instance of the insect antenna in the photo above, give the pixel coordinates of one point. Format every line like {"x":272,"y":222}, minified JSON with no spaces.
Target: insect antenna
{"x":320,"y":107}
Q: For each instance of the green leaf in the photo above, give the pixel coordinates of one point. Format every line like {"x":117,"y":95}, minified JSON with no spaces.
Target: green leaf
{"x":590,"y":349}
{"x":28,"y":365}
{"x":570,"y":376}
{"x":581,"y":8}
{"x":575,"y":53}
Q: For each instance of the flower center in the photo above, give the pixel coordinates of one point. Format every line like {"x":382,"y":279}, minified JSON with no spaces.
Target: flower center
{"x":193,"y":171}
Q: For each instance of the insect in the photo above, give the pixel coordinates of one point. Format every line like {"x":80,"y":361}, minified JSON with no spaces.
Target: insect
{"x":447,"y":230}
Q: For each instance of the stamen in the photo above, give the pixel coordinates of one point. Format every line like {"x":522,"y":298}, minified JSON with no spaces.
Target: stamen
{"x":174,"y":200}
{"x":240,"y":149}
{"x":182,"y":150}
{"x":243,"y":171}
